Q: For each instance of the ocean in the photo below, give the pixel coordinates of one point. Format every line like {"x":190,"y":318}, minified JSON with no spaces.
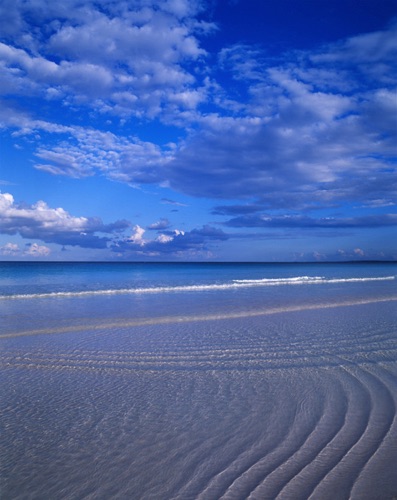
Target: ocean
{"x":198,"y":381}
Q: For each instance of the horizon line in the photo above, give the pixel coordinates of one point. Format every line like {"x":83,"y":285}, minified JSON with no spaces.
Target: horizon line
{"x":366,"y":261}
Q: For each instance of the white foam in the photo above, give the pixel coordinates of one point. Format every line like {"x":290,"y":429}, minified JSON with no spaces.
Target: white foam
{"x":304,"y":280}
{"x":281,"y":281}
{"x":298,"y":280}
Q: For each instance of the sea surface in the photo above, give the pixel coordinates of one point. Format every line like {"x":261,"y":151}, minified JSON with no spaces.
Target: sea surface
{"x":198,"y":381}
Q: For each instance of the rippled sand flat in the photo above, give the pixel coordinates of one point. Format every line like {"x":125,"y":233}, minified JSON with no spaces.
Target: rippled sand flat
{"x":291,"y":405}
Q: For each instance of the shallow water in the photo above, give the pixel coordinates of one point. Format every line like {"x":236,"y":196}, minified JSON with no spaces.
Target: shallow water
{"x":257,"y":392}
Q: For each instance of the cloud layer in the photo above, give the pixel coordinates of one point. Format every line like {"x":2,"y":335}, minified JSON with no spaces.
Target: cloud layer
{"x":192,"y":244}
{"x":126,"y":58}
{"x":135,"y":92}
{"x":305,"y":222}
{"x":291,"y":136}
{"x":54,"y":225}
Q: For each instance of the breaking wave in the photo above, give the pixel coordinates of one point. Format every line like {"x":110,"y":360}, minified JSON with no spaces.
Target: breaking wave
{"x":235,"y":284}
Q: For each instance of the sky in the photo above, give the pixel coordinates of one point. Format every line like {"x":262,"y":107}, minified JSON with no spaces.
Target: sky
{"x":198,"y":130}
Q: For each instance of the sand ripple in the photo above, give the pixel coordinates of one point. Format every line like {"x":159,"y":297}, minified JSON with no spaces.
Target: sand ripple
{"x":298,"y":406}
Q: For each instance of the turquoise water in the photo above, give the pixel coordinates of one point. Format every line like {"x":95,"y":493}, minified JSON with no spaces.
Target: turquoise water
{"x":206,"y":381}
{"x":36,"y":278}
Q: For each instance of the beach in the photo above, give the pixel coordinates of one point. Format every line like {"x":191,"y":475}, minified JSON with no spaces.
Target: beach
{"x":199,"y":381}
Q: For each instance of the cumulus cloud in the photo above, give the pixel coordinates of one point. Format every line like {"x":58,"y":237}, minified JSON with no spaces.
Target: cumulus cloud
{"x":280,"y":162}
{"x":160,"y":224}
{"x":130,"y":57}
{"x":56,"y":225}
{"x":290,"y":135}
{"x":136,"y":237}
{"x":36,"y":250}
{"x":53,"y":225}
{"x":175,"y":243}
{"x":10,"y":249}
{"x":32,"y":250}
{"x":299,"y":137}
{"x":308,"y":146}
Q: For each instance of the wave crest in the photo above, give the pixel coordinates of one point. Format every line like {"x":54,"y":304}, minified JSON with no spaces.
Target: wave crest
{"x":298,"y":280}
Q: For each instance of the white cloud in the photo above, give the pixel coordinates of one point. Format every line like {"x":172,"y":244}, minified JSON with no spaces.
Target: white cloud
{"x":56,"y":225}
{"x":10,"y":249}
{"x":40,"y":213}
{"x":302,"y":132}
{"x":367,"y":48}
{"x":137,"y":236}
{"x":138,"y":239}
{"x":129,"y":59}
{"x":174,"y":243}
{"x":160,"y":224}
{"x":82,"y":152}
{"x":180,"y":8}
{"x":36,"y":250}
{"x":243,"y":61}
{"x":290,"y":136}
{"x":164,"y":238}
{"x":33,"y":250}
{"x":53,"y":225}
{"x":179,"y":232}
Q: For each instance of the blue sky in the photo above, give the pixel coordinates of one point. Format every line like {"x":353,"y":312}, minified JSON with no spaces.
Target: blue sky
{"x":255,"y":130}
